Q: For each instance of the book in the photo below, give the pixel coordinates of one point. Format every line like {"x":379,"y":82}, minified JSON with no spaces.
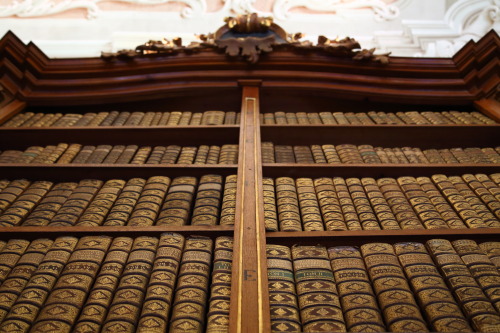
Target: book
{"x":147,"y":119}
{"x":127,"y":155}
{"x":11,"y":192}
{"x":207,"y":203}
{"x":329,"y":204}
{"x":228,"y":207}
{"x":302,"y":118}
{"x":213,"y":118}
{"x":280,"y":118}
{"x":437,"y":302}
{"x":176,"y":208}
{"x":400,"y":155}
{"x":156,"y":119}
{"x":185,"y":118}
{"x":351,"y":217}
{"x":359,"y":304}
{"x":121,"y":119}
{"x":10,"y":254}
{"x":318,"y":155}
{"x":164,"y":120}
{"x":148,"y":205}
{"x":269,"y":199}
{"x":397,"y":302}
{"x":331,"y":154}
{"x":125,"y":308}
{"x":380,"y":206}
{"x":156,"y":155}
{"x":284,"y":154}
{"x":99,"y":298}
{"x":98,"y":119}
{"x":213,"y":155}
{"x":187,"y":155}
{"x":25,"y":309}
{"x":474,"y":303}
{"x":492,"y":183}
{"x":367,"y":216}
{"x":351,"y":117}
{"x":70,"y":153}
{"x":288,"y":204}
{"x":482,"y":192}
{"x":171,"y":154}
{"x":83,"y":155}
{"x":349,"y":154}
{"x":110,"y":118}
{"x":25,"y":203}
{"x":309,"y":206}
{"x":60,"y":310}
{"x":220,"y":286}
{"x":368,"y":154}
{"x":284,"y":309}
{"x":267,"y":152}
{"x":122,"y":208}
{"x":160,"y":290}
{"x":99,"y":154}
{"x":191,"y":291}
{"x":229,"y":154}
{"x":303,"y":154}
{"x":114,"y":154}
{"x":327,"y":118}
{"x":142,"y":155}
{"x":492,"y":250}
{"x":230,"y":118}
{"x":317,"y":294}
{"x":30,"y":154}
{"x":291,"y":118}
{"x":269,"y":119}
{"x":201,"y":155}
{"x":98,"y":209}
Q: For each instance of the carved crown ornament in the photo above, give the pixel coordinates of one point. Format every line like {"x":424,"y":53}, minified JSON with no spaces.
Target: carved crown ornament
{"x":249,"y":36}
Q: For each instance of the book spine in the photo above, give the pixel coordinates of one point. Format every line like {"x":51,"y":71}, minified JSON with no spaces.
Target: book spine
{"x":164,"y":120}
{"x":491,"y":155}
{"x":364,"y":119}
{"x":267,"y":152}
{"x":85,"y":119}
{"x":83,"y":155}
{"x":481,"y":268}
{"x":99,"y":298}
{"x":382,"y":155}
{"x":57,"y":152}
{"x":269,"y":119}
{"x":284,"y":154}
{"x":447,"y":156}
{"x":68,"y":120}
{"x":156,"y":155}
{"x":213,"y":118}
{"x":391,"y":155}
{"x":475,"y":202}
{"x":191,"y":292}
{"x":158,"y":300}
{"x":3,"y":184}
{"x":21,"y":273}
{"x":11,"y":192}
{"x":319,"y":301}
{"x":124,"y":205}
{"x":492,"y":250}
{"x":207,"y":204}
{"x":367,"y":216}
{"x":442,"y":311}
{"x":99,"y":154}
{"x":317,"y":153}
{"x":114,"y":154}
{"x":284,"y":309}
{"x":99,"y":208}
{"x":331,"y":154}
{"x":375,"y":117}
{"x":400,"y":156}
{"x":171,"y":154}
{"x":393,"y":119}
{"x":134,"y":119}
{"x":359,"y":304}
{"x":410,"y":155}
{"x":98,"y":119}
{"x":288,"y":205}
{"x":447,"y":213}
{"x":30,"y":154}
{"x":329,"y":204}
{"x":25,"y":203}
{"x":230,"y":118}
{"x":228,"y":208}
{"x":77,"y":202}
{"x":421,"y":203}
{"x":460,"y":155}
{"x":482,"y":118}
{"x":147,"y":119}
{"x":32,"y":120}
{"x":302,"y":118}
{"x":451,"y":119}
{"x":483,"y":193}
{"x":400,"y":309}
{"x":380,"y":206}
{"x":25,"y":309}
{"x":17,"y":120}
{"x":340,"y":118}
{"x":121,"y":119}
{"x":280,"y":118}
{"x":270,"y":211}
{"x":351,"y":117}
{"x":349,"y":154}
{"x":185,"y":118}
{"x":404,"y":117}
{"x":309,"y":206}
{"x":110,"y":118}
{"x":303,"y":154}
{"x":213,"y":155}
{"x":187,"y":155}
{"x":125,"y":308}
{"x":229,"y":154}
{"x":474,"y":303}
{"x":492,"y":184}
{"x":368,"y":154}
{"x":327,"y":118}
{"x":399,"y":205}
{"x":156,"y":119}
{"x":351,"y":217}
{"x":173,"y":119}
{"x":220,"y":287}
{"x":150,"y":201}
{"x":201,"y":155}
{"x":65,"y":300}
{"x":420,"y":156}
{"x":383,"y":117}
{"x":291,"y":118}
{"x":433,"y":156}
{"x":42,"y":158}
{"x":69,"y":154}
{"x":177,"y":206}
{"x":10,"y":156}
{"x":141,"y":156}
{"x":10,"y":255}
{"x":462,"y":207}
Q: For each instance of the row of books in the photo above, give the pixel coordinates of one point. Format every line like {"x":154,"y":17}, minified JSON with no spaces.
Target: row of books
{"x":125,"y":118}
{"x":352,"y":154}
{"x":136,"y":202}
{"x":373,"y":117}
{"x":64,"y":153}
{"x":122,"y":284}
{"x":337,"y":204}
{"x":439,"y":286}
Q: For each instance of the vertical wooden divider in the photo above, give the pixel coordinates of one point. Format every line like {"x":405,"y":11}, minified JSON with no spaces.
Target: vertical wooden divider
{"x":249,"y":295}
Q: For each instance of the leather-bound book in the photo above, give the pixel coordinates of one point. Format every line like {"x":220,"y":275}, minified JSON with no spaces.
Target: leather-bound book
{"x":230,"y":118}
{"x":331,"y":154}
{"x":482,"y":118}
{"x":187,"y":155}
{"x":164,"y":120}
{"x":228,"y":207}
{"x":156,"y":155}
{"x":318,"y":155}
{"x":270,"y":211}
{"x":30,"y":154}
{"x":69,"y":154}
{"x":213,"y":118}
{"x":267,"y":152}
{"x":492,"y":250}
{"x":110,"y":118}
{"x":351,"y":217}
{"x":121,"y":119}
{"x":176,"y":208}
{"x":383,"y":211}
{"x":349,"y":154}
{"x":114,"y":154}
{"x":10,"y":254}
{"x":327,"y":118}
{"x":185,"y":118}
{"x":142,"y":155}
{"x":122,"y":208}
{"x":150,"y":201}
{"x":329,"y":204}
{"x":482,"y":192}
{"x":171,"y":154}
{"x":492,"y":183}
{"x":284,"y":154}
{"x":309,"y":206}
{"x":83,"y":155}
{"x":213,"y":155}
{"x":98,"y":119}
{"x":351,"y":117}
{"x":156,"y":119}
{"x":367,"y":216}
{"x":364,"y":119}
{"x":147,"y":119}
{"x":228,"y":154}
{"x":99,"y":154}
{"x":99,"y":208}
{"x":134,"y":119}
{"x":288,"y":205}
{"x":11,"y":192}
{"x":303,"y":154}
{"x":302,"y":118}
{"x":208,"y":197}
{"x":368,"y":154}
{"x":201,"y":155}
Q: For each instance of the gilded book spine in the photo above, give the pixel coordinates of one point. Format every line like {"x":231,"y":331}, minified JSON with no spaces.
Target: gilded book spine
{"x":291,"y":118}
{"x":442,"y":312}
{"x":171,"y":154}
{"x":492,"y":184}
{"x":185,"y":118}
{"x":319,"y":302}
{"x":10,"y":193}
{"x":150,"y":201}
{"x":331,"y":154}
{"x":481,"y":267}
{"x":228,"y":154}
{"x":156,"y":155}
{"x":127,"y":154}
{"x":442,"y":206}
{"x":83,"y":155}
{"x":382,"y":209}
{"x":100,"y":296}
{"x":156,"y":119}
{"x":327,"y":118}
{"x":114,"y":154}
{"x":285,"y":315}
{"x":400,"y":309}
{"x":280,"y":117}
{"x":318,"y":155}
{"x":25,"y":203}
{"x":99,"y":154}
{"x":359,"y":304}
{"x":165,"y":117}
{"x":220,"y":287}
{"x":10,"y":254}
{"x":63,"y":305}
{"x":159,"y":295}
{"x":27,"y":306}
{"x":482,"y":192}
{"x":98,"y":119}
{"x":269,"y":198}
{"x":230,"y":118}
{"x":177,"y":205}
{"x":228,"y":208}
{"x":69,"y":154}
{"x":191,"y":292}
{"x":267,"y":152}
{"x":125,"y":309}
{"x":284,"y":154}
{"x":99,"y":208}
{"x":202,"y":154}
{"x":187,"y":155}
{"x":141,"y":156}
{"x":213,"y":155}
{"x":76,"y":203}
{"x":207,"y":203}
{"x":125,"y":203}
{"x":348,"y":210}
{"x":110,"y":118}
{"x":400,"y":206}
{"x":302,"y":118}
{"x":366,"y":214}
{"x":492,"y":250}
{"x":309,"y":207}
{"x":269,"y":119}
{"x":474,"y":303}
{"x":147,"y":119}
{"x":421,"y":203}
{"x":329,"y":204}
{"x":288,"y":205}
{"x":464,"y":210}
{"x":121,"y":119}
{"x":303,"y":154}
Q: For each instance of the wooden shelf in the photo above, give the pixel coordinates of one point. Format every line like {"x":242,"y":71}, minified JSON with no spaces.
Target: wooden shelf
{"x":421,"y":136}
{"x":19,"y":137}
{"x":75,"y":172}
{"x":115,"y":231}
{"x":372,"y":170}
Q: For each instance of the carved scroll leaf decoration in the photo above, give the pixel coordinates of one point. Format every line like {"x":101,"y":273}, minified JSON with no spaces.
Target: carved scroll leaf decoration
{"x":250,"y":47}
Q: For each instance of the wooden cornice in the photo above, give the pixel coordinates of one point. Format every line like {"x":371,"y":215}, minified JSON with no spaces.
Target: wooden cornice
{"x":32,"y":77}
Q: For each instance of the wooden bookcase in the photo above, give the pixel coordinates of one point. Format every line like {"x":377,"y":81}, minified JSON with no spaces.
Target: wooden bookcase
{"x":285,"y":79}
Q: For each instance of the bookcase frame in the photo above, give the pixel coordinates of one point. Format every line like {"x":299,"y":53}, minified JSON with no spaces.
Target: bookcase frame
{"x":285,"y":78}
